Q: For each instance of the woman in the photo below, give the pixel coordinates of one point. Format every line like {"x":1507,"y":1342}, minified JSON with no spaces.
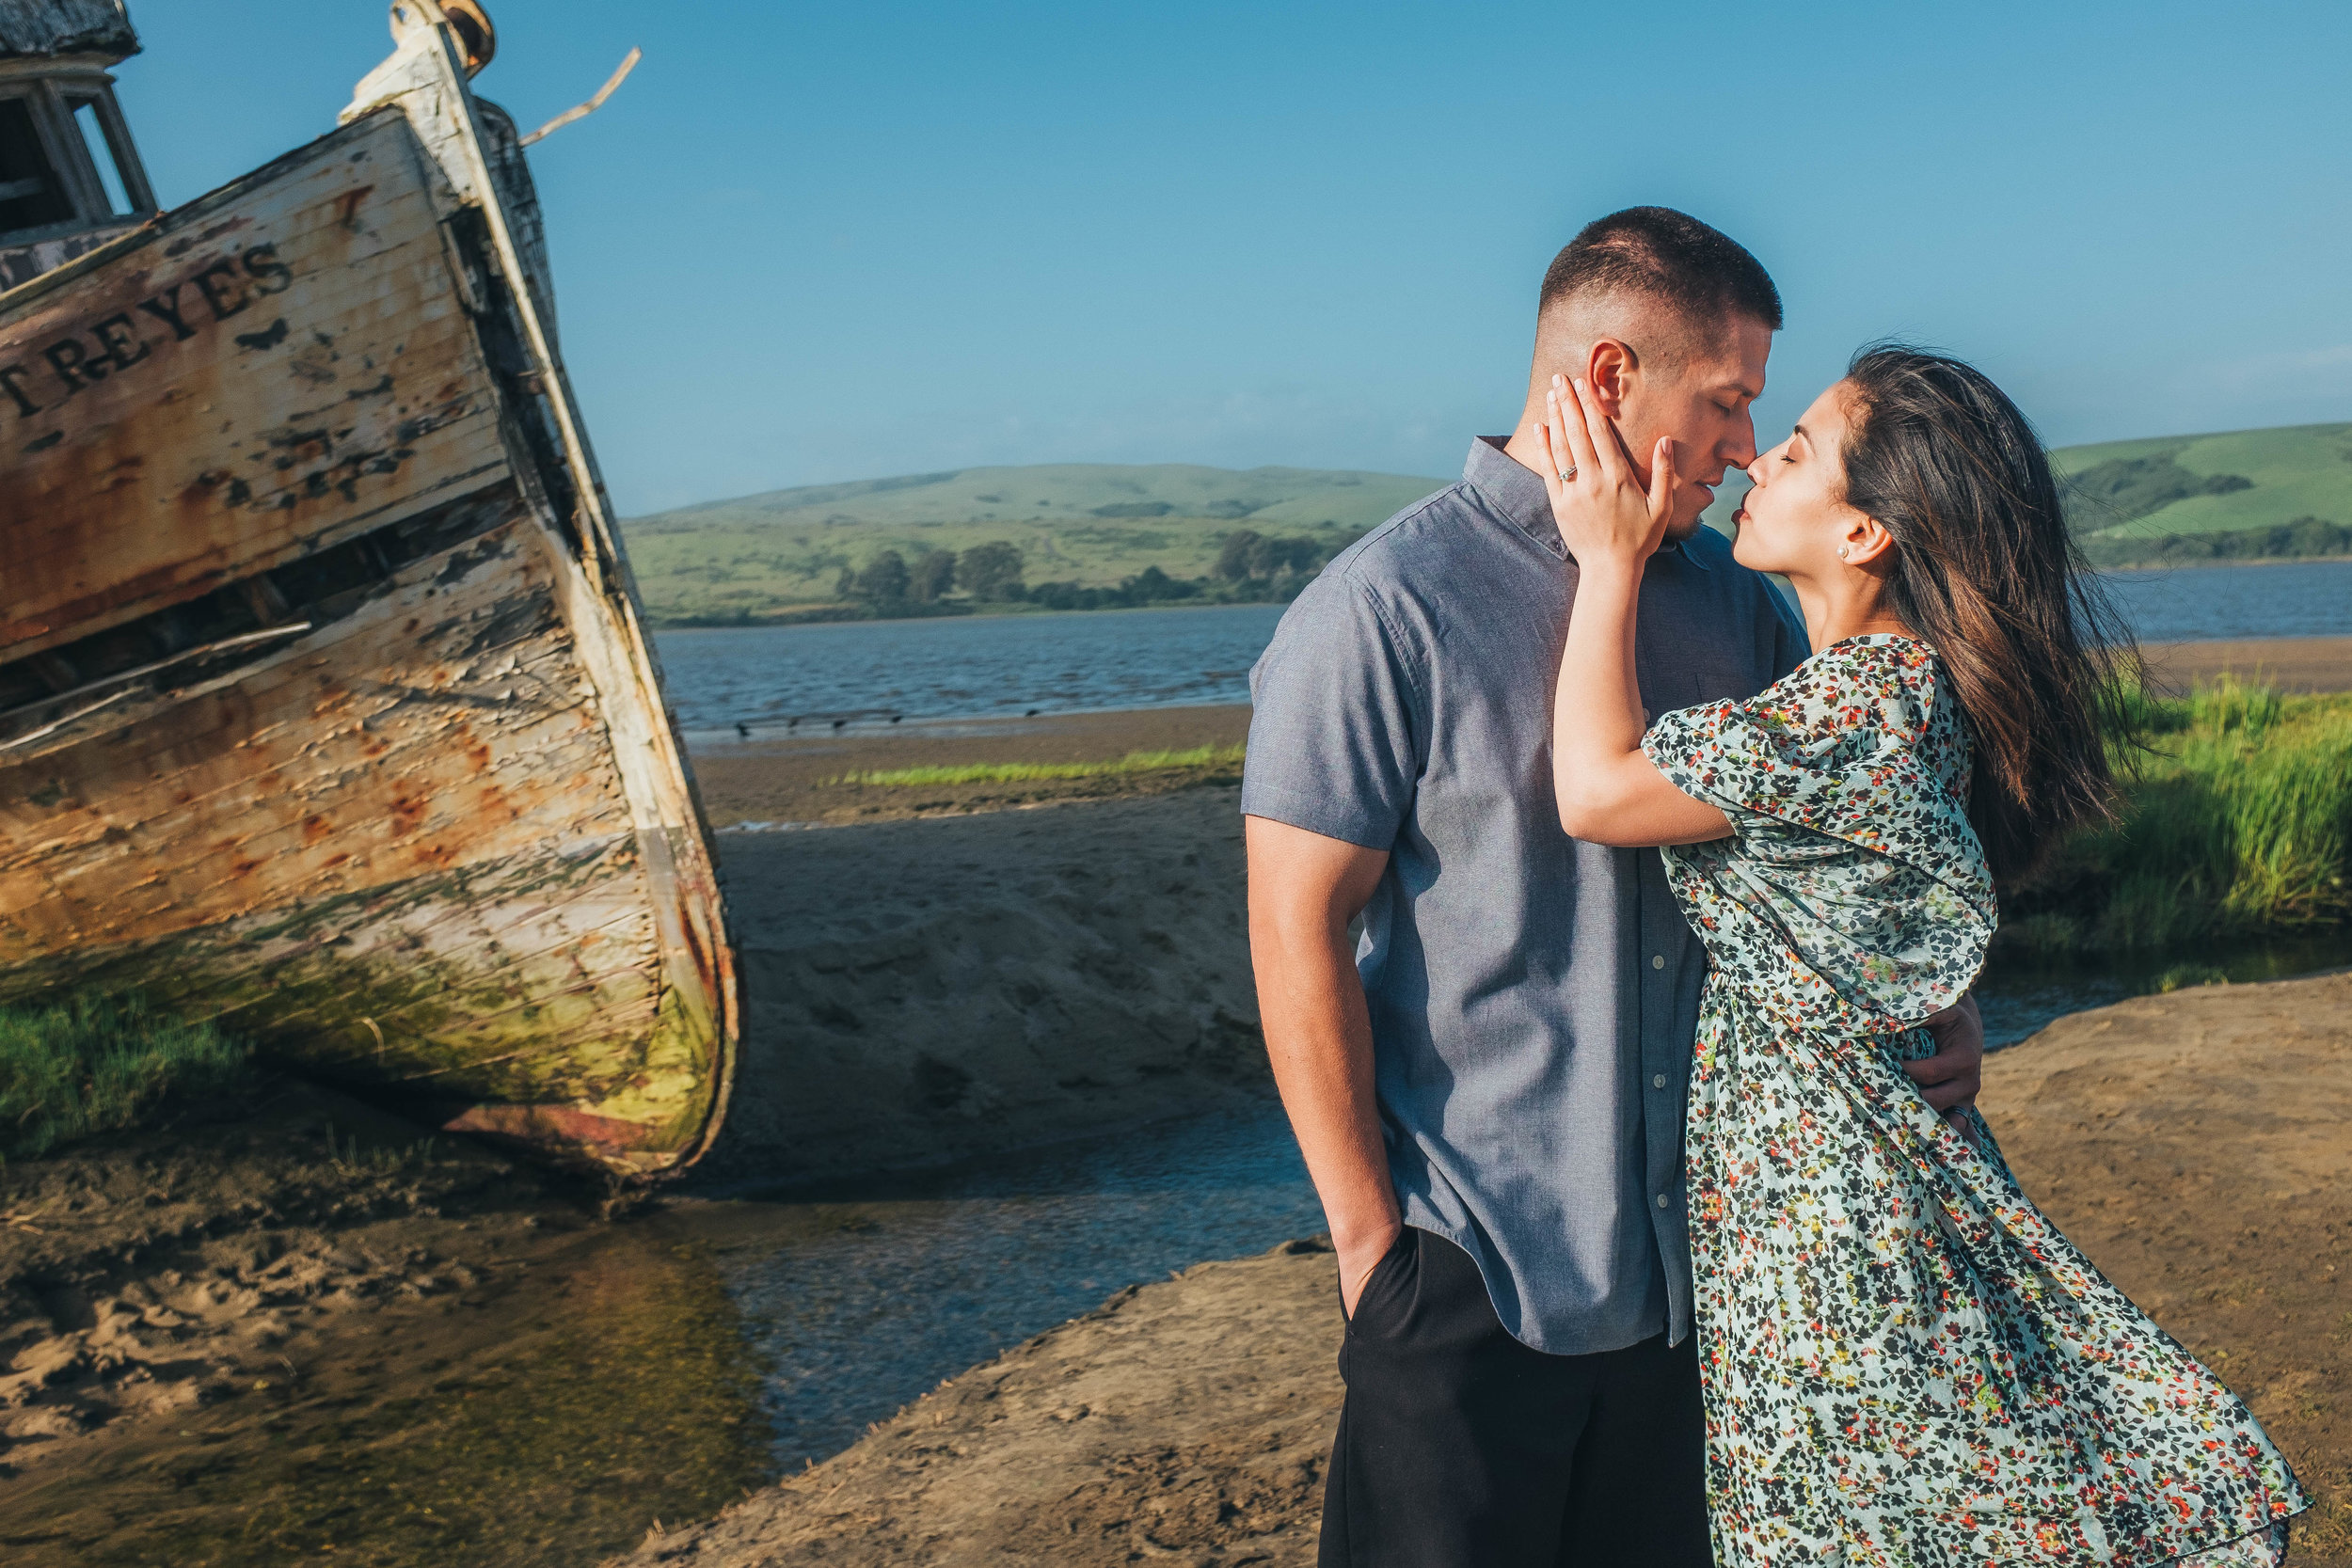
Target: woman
{"x":1904,"y":1362}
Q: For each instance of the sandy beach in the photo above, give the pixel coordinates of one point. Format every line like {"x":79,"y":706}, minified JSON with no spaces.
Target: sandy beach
{"x":2193,"y":1144}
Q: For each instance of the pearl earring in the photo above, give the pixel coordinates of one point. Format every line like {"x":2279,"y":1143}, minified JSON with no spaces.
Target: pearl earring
{"x":1841,"y":552}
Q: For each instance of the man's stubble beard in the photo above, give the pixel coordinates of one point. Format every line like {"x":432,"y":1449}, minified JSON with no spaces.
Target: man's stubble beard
{"x":1678,"y":531}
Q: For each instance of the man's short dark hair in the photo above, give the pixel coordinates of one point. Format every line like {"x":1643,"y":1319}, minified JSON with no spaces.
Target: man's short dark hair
{"x":1702,"y":273}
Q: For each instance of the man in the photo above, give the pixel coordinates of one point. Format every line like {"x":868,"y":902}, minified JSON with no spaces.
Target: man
{"x":1489,"y":1092}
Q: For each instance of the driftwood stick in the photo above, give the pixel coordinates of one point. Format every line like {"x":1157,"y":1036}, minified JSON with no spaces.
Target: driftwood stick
{"x":581,"y":111}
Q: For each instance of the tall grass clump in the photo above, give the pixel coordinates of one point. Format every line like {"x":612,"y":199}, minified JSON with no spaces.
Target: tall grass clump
{"x":90,"y":1066}
{"x":2237,"y":820}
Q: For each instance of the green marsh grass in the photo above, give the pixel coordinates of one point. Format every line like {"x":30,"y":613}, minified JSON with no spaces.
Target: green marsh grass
{"x":2238,"y":821}
{"x":86,"y":1065}
{"x":1218,"y":757}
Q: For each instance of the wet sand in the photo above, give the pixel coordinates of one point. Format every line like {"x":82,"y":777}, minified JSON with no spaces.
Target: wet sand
{"x":228,"y":1345}
{"x":2193,"y":1144}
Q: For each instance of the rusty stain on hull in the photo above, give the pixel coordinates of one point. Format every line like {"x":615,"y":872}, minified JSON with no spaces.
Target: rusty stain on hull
{"x":325,"y":706}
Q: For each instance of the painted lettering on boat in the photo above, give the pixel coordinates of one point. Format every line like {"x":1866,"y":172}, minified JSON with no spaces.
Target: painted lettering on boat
{"x":228,"y":287}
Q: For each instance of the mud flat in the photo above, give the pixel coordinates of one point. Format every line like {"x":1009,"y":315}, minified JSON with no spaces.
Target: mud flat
{"x":290,"y":1330}
{"x":165,"y":1272}
{"x":924,"y":991}
{"x":2193,"y":1143}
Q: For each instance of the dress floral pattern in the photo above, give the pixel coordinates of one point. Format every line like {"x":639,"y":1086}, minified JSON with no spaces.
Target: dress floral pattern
{"x":1905,"y":1363}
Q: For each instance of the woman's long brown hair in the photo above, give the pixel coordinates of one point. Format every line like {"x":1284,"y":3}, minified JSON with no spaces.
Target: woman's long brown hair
{"x":1987,"y":573}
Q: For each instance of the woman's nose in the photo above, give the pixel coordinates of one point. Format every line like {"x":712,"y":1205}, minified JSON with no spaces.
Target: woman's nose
{"x":1756,"y":470}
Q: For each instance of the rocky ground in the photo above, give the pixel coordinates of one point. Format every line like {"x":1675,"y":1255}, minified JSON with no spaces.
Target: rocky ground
{"x":2194,"y":1144}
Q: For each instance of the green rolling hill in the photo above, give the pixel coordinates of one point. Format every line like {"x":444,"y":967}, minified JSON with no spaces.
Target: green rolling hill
{"x":1089,"y":526}
{"x":1096,"y":534}
{"x":2224,"y":483}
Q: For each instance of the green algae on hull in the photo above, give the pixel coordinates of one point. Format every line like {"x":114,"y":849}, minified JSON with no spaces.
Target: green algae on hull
{"x":475,"y":1043}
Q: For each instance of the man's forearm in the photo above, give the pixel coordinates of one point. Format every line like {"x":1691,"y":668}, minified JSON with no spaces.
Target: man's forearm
{"x":1319,"y":1042}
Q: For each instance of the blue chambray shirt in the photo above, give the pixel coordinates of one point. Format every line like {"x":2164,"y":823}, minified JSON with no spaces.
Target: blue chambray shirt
{"x":1534,"y":997}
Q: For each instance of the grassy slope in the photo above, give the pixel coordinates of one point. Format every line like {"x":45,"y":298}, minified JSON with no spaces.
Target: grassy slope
{"x":2298,"y":471}
{"x":787,"y":547}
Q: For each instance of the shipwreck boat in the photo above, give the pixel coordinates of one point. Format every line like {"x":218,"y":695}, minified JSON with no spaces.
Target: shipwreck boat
{"x":327,"y":708}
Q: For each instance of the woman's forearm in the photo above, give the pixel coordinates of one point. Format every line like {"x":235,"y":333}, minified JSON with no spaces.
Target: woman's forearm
{"x":1597,"y":706}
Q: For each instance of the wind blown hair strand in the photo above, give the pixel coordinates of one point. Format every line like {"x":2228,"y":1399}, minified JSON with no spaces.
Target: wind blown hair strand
{"x":1988,"y":574}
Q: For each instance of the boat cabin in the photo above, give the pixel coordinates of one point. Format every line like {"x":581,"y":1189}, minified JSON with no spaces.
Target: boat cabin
{"x":70,"y":174}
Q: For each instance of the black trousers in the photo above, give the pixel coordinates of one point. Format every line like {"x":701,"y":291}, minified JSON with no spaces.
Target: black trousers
{"x":1461,"y":1448}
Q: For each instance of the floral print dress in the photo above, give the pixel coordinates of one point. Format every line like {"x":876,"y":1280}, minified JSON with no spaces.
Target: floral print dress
{"x":1905,"y":1363}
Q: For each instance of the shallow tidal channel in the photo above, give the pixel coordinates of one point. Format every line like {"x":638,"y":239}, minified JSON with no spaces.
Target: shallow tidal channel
{"x":612,"y":1376}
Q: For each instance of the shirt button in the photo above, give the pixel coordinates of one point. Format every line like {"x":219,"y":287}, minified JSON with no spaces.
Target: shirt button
{"x":1658,"y":1080}
{"x":1664,"y":1200}
{"x":1658,"y":960}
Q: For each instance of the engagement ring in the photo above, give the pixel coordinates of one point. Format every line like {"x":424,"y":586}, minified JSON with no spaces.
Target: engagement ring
{"x":1568,"y":473}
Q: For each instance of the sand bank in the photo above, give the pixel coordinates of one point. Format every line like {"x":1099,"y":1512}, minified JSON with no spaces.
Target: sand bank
{"x":923,"y":991}
{"x":790,"y":779}
{"x":775,"y":778}
{"x":2289,"y":664}
{"x":2194,"y":1144}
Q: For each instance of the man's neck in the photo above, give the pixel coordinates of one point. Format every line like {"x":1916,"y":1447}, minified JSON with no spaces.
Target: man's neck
{"x":1526,"y":444}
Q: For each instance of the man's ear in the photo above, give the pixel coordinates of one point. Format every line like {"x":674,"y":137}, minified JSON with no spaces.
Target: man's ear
{"x":1610,"y":370}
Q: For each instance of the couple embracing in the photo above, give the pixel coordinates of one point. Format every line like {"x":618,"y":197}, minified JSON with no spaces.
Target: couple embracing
{"x":1642,"y":1111}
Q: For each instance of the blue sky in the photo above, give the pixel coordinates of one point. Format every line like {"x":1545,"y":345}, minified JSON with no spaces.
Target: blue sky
{"x":821,"y":241}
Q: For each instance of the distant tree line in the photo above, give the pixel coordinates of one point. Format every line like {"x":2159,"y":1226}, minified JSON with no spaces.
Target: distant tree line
{"x":1251,"y":568}
{"x":2304,"y":539}
{"x":987,"y":573}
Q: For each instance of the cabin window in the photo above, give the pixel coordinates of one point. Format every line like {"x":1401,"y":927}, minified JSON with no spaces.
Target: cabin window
{"x":102,"y":152}
{"x":31,"y":194}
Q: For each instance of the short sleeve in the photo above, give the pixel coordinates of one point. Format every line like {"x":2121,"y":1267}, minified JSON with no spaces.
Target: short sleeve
{"x":1851,"y":865}
{"x":1339,"y":720}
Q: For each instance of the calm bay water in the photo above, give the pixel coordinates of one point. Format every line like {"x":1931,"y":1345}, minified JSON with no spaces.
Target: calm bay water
{"x":966,"y":668}
{"x":993,"y":665}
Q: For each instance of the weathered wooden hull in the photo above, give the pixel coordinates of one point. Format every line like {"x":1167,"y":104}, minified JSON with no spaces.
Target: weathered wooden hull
{"x":324,"y":705}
